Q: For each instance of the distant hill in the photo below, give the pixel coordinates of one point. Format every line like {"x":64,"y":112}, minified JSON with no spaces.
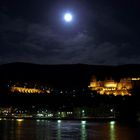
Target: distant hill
{"x":73,"y":75}
{"x":76,"y":76}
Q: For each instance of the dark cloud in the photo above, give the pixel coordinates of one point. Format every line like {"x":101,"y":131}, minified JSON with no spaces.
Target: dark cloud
{"x":104,"y":38}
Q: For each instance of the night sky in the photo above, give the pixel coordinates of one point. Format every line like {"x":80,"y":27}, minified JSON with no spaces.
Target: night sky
{"x":104,"y":32}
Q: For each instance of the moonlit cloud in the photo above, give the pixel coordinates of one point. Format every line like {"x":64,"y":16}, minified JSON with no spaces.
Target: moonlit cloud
{"x":106,"y":40}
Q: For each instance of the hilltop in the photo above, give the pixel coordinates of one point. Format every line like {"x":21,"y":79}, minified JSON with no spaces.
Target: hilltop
{"x":67,"y":75}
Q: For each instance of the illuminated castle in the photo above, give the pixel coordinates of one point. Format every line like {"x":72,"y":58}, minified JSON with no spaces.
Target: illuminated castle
{"x":111,"y":87}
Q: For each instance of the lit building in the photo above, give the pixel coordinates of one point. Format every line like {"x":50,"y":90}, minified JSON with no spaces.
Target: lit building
{"x":111,"y":87}
{"x":136,"y":79}
{"x":28,"y":90}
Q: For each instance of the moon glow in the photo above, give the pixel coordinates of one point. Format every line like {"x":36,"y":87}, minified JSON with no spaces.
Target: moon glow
{"x":68,"y":17}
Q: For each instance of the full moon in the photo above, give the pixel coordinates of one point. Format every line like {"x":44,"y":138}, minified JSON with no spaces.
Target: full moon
{"x":68,"y":17}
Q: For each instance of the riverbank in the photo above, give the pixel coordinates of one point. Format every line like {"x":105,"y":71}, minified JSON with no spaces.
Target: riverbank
{"x":58,"y":118}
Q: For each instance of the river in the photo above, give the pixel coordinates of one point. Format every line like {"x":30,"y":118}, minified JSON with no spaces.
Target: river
{"x":67,"y":130}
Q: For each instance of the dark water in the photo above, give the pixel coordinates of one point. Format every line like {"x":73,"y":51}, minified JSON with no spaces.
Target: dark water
{"x":67,"y":130}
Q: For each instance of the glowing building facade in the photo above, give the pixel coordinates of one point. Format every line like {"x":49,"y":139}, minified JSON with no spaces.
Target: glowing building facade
{"x":28,"y":90}
{"x":111,"y":87}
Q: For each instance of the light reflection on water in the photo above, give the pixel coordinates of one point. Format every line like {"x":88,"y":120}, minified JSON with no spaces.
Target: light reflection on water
{"x":66,"y":130}
{"x":112,"y":130}
{"x":59,"y":130}
{"x":83,"y":130}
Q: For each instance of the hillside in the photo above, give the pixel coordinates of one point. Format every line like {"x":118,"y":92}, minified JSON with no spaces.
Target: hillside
{"x":76,"y":75}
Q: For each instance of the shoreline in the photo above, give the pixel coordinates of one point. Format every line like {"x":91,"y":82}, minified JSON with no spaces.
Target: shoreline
{"x":57,"y":118}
